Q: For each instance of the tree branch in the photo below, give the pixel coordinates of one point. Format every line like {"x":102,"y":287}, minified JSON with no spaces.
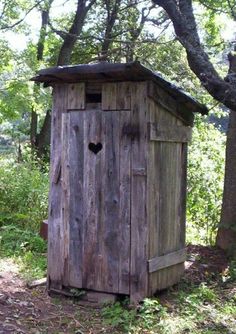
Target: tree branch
{"x":5,"y":27}
{"x":182,"y":17}
{"x":70,"y":38}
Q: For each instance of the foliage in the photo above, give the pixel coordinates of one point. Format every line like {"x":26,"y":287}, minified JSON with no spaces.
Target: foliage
{"x":229,"y":275}
{"x":149,"y":316}
{"x":26,"y":248}
{"x":23,"y":206}
{"x":205,"y":182}
{"x":117,"y":315}
{"x":195,"y":309}
{"x":23,"y":193}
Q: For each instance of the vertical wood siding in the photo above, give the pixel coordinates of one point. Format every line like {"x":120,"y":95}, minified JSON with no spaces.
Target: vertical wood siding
{"x":166,"y":199}
{"x":55,"y":226}
{"x":139,"y":242}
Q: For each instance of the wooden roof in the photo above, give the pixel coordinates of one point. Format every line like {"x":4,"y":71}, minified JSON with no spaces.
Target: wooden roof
{"x":112,"y":72}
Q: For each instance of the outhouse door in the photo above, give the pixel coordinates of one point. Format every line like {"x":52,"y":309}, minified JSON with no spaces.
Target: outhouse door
{"x":96,"y":155}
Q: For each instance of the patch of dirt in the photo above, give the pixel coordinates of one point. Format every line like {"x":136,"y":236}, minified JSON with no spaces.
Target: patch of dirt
{"x":24,"y":310}
{"x":204,"y":263}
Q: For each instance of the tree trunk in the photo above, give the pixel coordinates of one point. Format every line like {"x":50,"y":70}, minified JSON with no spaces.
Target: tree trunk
{"x":75,"y":30}
{"x":40,"y":49}
{"x":226,"y":235}
{"x":33,"y":128}
{"x":43,"y":138}
{"x":181,"y":14}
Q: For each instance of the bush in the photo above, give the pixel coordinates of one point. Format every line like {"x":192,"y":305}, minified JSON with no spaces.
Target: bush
{"x":205,"y":182}
{"x":23,"y":193}
{"x":26,"y":248}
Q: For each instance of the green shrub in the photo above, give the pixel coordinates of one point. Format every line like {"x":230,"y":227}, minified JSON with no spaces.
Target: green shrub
{"x":150,"y":316}
{"x":205,"y":182}
{"x":26,"y":248}
{"x":23,"y":193}
{"x":15,"y":241}
{"x":117,"y":315}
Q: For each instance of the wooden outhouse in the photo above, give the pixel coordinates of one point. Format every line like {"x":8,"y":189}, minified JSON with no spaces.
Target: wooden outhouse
{"x":118,"y":179}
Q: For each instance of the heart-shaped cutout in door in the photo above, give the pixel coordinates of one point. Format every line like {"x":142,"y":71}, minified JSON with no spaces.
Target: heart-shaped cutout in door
{"x":95,"y":148}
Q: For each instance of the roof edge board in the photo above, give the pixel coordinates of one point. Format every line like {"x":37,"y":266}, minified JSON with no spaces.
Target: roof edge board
{"x":99,"y":71}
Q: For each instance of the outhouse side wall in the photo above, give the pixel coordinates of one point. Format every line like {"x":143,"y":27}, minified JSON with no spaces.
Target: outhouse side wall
{"x":166,"y":186}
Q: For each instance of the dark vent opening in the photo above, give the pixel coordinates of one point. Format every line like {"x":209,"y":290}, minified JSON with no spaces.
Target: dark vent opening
{"x":94,"y":98}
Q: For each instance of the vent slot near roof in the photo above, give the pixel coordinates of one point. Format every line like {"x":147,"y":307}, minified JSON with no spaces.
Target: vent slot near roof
{"x":93,"y":95}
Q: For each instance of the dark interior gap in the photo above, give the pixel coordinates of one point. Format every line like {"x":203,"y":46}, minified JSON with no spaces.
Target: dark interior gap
{"x":93,"y":97}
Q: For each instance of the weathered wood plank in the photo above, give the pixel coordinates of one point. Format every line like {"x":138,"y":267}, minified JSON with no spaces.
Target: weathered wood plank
{"x":116,"y":96}
{"x":168,"y":214}
{"x":183,"y":195}
{"x":111,"y":188}
{"x":76,"y":177}
{"x":123,"y":96}
{"x":170,"y":133}
{"x":101,"y":281}
{"x":76,"y":96}
{"x":92,"y":254}
{"x":164,"y":99}
{"x":65,"y":207}
{"x":56,"y":173}
{"x":139,"y":236}
{"x":153,"y":199}
{"x":55,"y":230}
{"x":167,"y":260}
{"x":109,"y":93}
{"x":125,"y":207}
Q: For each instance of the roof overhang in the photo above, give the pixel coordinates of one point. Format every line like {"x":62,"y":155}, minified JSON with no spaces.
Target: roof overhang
{"x":110,"y":72}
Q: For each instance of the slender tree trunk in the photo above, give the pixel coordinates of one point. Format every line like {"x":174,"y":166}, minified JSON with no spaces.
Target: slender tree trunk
{"x":43,"y":32}
{"x":112,"y":9}
{"x":35,"y":139}
{"x":43,"y":138}
{"x":226,"y":235}
{"x":33,"y":128}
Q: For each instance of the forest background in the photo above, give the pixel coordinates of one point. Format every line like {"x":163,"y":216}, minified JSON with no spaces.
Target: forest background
{"x":37,"y":34}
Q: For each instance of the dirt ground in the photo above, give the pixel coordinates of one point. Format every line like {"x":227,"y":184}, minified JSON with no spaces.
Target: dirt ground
{"x":24,"y":310}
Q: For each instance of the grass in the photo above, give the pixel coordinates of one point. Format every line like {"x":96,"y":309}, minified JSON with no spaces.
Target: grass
{"x":207,"y":308}
{"x":23,"y":206}
{"x":26,"y":248}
